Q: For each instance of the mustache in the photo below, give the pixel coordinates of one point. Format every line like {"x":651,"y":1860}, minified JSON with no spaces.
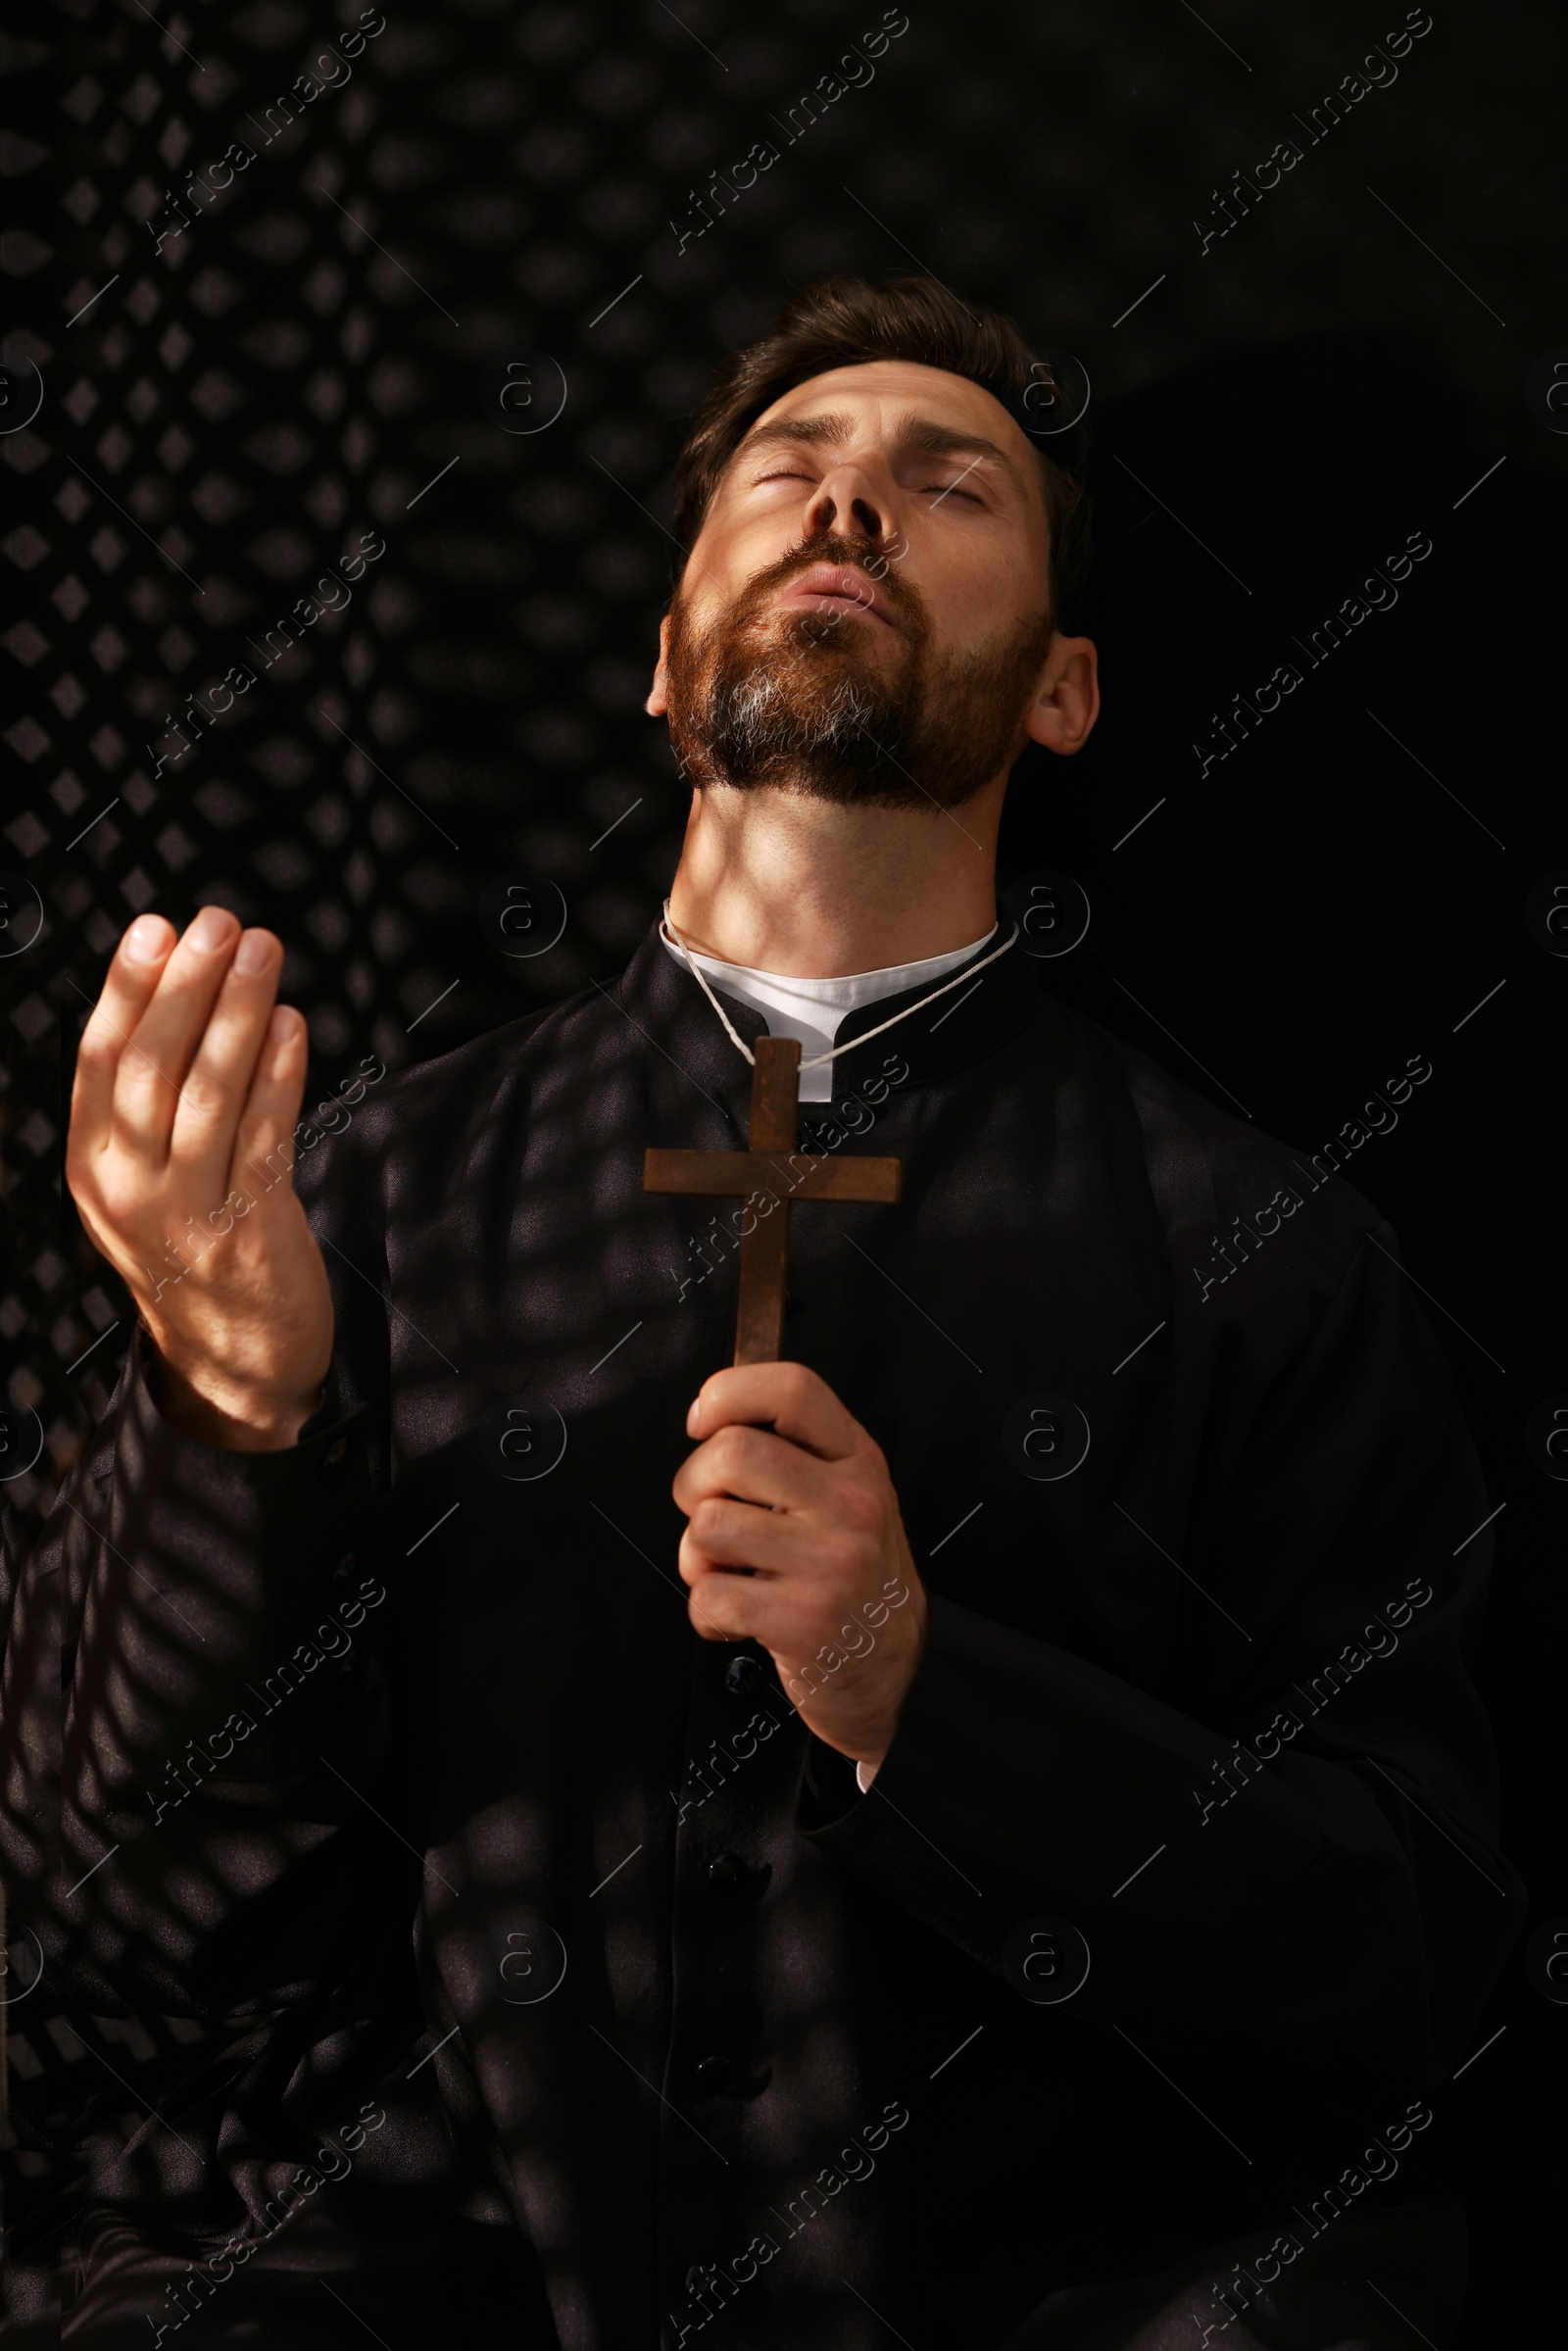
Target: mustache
{"x":864,"y":553}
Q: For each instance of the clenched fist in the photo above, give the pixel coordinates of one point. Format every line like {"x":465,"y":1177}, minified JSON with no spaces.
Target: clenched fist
{"x":796,"y":1540}
{"x":188,"y":1085}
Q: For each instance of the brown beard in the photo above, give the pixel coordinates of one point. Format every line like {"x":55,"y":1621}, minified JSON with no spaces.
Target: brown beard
{"x":801,"y":702}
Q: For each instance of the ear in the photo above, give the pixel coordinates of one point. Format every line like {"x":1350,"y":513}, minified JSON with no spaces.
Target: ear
{"x":658,"y":700}
{"x":1066,"y":697}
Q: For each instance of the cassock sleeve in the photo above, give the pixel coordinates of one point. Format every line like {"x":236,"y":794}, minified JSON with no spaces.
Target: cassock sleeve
{"x":192,"y":1717}
{"x":1270,"y":1847}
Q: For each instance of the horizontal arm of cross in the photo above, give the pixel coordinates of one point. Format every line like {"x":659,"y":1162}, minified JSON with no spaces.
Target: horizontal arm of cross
{"x":789,"y":1175}
{"x":775,"y":1171}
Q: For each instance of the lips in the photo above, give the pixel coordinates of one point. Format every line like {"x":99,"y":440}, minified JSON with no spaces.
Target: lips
{"x":836,"y":588}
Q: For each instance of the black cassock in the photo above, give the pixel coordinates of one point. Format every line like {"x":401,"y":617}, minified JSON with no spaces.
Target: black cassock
{"x":565,"y":1979}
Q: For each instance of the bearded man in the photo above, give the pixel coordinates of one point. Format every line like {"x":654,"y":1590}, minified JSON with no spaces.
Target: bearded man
{"x":978,"y":1832}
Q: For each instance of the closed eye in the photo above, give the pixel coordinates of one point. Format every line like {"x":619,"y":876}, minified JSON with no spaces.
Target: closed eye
{"x":931,"y":489}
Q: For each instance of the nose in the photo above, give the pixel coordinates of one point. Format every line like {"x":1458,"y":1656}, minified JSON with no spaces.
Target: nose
{"x":844,"y":500}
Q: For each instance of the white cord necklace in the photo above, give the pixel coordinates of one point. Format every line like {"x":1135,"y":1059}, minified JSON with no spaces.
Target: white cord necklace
{"x":818,"y":1059}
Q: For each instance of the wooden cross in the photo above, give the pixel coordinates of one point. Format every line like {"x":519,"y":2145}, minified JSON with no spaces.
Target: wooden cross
{"x":773,"y":1165}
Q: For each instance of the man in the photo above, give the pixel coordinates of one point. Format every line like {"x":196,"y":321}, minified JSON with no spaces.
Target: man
{"x":977,"y":1833}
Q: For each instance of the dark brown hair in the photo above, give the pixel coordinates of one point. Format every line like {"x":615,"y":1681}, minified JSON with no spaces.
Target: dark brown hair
{"x":844,"y":323}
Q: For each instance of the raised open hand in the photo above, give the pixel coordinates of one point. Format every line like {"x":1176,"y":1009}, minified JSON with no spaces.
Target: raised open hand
{"x":188,"y":1086}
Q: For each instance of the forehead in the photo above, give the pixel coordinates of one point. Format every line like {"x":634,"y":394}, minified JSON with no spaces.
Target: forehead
{"x":879,"y":402}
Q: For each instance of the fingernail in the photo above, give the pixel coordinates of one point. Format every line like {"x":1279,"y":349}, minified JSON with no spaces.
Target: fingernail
{"x":144,"y":941}
{"x":254,"y":954}
{"x":209,"y":930}
{"x":284,"y":1025}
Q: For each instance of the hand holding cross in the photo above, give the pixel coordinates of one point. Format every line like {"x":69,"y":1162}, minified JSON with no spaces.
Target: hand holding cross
{"x":794,"y":1538}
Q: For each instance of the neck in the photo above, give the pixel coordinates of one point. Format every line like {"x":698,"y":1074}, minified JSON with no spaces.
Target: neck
{"x":811,"y":890}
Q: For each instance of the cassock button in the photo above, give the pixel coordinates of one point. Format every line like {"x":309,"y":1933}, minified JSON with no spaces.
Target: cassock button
{"x":336,"y":1454}
{"x":742,"y":1675}
{"x":731,"y":1874}
{"x":344,"y":1567}
{"x":712,"y":2075}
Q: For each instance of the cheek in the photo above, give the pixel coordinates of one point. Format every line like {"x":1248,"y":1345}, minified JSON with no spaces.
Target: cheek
{"x":725,"y":559}
{"x":981,"y":599}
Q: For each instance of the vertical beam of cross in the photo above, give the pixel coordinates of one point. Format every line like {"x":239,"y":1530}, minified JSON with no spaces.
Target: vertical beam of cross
{"x":773,"y":1167}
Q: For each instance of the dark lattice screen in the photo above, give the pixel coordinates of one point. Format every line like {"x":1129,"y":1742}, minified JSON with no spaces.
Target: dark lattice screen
{"x":224,"y":414}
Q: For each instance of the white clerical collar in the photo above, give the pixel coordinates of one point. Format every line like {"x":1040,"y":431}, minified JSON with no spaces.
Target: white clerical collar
{"x":811,"y":1009}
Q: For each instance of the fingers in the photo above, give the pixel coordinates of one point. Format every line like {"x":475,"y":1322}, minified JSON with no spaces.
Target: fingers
{"x":719,"y":1608}
{"x":755,"y":1466}
{"x":786,"y":1614}
{"x":725,"y":1608}
{"x":218,"y":1082}
{"x":799,"y":1405}
{"x":264,"y":1146}
{"x":153,"y":1064}
{"x":127,"y":989}
{"x":738,"y":1535}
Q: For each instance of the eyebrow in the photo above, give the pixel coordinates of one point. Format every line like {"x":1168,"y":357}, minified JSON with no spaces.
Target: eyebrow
{"x":915,"y":435}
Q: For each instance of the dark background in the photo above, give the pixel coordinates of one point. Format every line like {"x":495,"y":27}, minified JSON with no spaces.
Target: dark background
{"x":226,"y":416}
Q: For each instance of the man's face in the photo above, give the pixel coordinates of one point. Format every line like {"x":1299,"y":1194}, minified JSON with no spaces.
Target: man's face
{"x":865,"y":615}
